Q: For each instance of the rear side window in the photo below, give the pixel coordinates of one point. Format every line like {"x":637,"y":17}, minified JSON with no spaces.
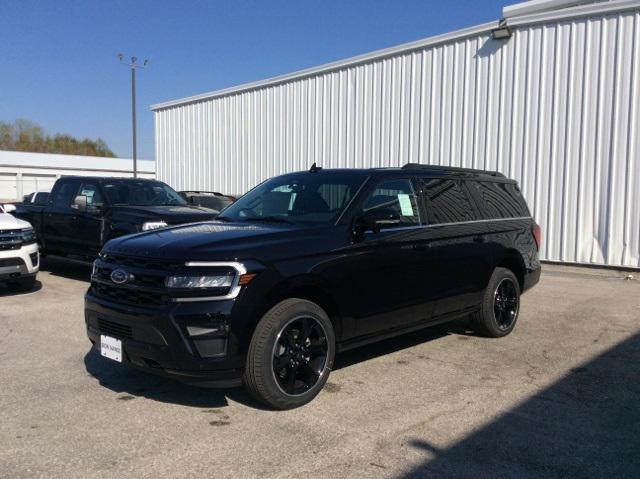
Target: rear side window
{"x":64,"y":194}
{"x":447,"y":202}
{"x":498,"y":200}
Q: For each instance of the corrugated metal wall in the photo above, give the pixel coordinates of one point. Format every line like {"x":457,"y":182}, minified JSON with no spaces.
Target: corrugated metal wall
{"x":555,"y":107}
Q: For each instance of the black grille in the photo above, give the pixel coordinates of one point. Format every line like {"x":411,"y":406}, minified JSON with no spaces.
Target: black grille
{"x":134,"y":297}
{"x":114,"y":329}
{"x":11,"y":262}
{"x":142,"y":263}
{"x":148,"y":280}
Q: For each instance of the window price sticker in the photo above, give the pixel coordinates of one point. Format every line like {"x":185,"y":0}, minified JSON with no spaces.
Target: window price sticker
{"x":405,"y":205}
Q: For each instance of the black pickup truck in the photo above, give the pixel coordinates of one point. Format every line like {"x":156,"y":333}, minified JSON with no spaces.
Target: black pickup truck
{"x":83,"y":213}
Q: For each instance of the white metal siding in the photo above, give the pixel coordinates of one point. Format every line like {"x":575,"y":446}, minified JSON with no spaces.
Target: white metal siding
{"x":555,"y":107}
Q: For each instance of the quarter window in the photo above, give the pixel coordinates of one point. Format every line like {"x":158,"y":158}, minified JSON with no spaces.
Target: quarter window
{"x":399,"y":197}
{"x":447,"y":202}
{"x":499,"y":200}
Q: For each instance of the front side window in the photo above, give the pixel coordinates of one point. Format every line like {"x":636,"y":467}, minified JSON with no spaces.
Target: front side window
{"x":141,"y":193}
{"x":92,"y":193}
{"x":398,"y":197}
{"x":447,"y":202}
{"x":300,"y":198}
{"x":64,"y":194}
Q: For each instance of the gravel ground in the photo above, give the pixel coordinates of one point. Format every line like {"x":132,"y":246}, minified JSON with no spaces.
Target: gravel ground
{"x":557,"y":398}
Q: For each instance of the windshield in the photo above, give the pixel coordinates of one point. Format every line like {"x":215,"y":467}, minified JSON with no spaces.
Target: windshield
{"x":299,"y":198}
{"x":141,"y":193}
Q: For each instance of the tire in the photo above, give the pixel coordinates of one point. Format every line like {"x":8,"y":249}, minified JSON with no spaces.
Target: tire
{"x":23,"y":284}
{"x":500,"y":305}
{"x":290,"y":355}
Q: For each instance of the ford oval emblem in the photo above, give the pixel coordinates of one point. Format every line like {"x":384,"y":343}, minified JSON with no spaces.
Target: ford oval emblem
{"x":119,"y":276}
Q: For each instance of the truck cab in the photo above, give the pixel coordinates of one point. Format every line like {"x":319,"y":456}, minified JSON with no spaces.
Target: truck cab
{"x":83,"y":213}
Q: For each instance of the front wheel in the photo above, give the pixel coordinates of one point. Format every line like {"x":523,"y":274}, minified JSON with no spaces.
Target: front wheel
{"x":500,"y":305}
{"x":291,"y":354}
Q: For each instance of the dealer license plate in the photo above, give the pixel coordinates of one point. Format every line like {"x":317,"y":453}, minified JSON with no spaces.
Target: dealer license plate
{"x":111,"y":348}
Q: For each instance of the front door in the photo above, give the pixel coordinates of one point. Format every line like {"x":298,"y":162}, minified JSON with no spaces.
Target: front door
{"x":385,"y":271}
{"x":59,"y":218}
{"x":89,"y":222}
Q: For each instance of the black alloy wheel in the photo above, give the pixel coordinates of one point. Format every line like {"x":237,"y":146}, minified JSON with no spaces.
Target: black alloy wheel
{"x":500,"y":305}
{"x":291,"y":354}
{"x":300,"y":355}
{"x":505,"y":303}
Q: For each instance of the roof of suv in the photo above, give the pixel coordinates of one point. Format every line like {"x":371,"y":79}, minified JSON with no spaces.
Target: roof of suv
{"x":420,"y":169}
{"x":107,"y":178}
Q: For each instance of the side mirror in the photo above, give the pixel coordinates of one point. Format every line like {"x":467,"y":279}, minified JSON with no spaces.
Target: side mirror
{"x":80,"y":203}
{"x":378,"y":218}
{"x":9,"y":208}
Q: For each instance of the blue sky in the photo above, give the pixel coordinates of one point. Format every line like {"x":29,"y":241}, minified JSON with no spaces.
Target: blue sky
{"x":58,"y":64}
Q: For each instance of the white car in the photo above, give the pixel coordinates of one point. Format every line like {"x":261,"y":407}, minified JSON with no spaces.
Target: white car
{"x":19,"y":259}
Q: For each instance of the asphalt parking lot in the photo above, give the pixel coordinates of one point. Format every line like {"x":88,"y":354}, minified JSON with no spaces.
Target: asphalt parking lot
{"x":557,"y":398}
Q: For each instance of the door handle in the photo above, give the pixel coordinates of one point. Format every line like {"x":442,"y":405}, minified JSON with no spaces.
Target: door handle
{"x":479,"y":239}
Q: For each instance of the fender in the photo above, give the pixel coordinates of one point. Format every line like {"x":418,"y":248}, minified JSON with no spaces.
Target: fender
{"x":310,"y":287}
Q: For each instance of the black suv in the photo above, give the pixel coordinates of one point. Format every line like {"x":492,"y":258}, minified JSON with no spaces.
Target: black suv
{"x":311,"y":263}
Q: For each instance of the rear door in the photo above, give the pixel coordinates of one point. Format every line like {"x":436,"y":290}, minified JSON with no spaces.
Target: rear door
{"x":457,"y":240}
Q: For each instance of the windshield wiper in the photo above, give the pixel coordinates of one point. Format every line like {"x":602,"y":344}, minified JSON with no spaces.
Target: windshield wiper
{"x":223,"y":218}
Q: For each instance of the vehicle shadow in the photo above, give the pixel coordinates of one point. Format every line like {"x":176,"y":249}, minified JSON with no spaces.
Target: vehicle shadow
{"x":136,"y":383}
{"x":70,"y":269}
{"x":585,"y":425}
{"x":5,"y":290}
{"x":398,"y":343}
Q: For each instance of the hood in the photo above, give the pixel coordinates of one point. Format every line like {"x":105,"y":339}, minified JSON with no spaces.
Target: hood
{"x":169,"y":214}
{"x":216,"y":240}
{"x":9,"y":222}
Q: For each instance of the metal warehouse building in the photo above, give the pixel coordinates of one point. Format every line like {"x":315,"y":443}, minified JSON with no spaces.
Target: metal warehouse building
{"x":555,"y":105}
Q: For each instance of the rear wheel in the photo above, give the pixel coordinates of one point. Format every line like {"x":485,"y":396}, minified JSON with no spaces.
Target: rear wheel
{"x":291,"y":354}
{"x":500,"y":306}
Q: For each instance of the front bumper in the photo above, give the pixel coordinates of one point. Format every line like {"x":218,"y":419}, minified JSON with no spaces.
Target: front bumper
{"x":19,"y":263}
{"x":162,"y":340}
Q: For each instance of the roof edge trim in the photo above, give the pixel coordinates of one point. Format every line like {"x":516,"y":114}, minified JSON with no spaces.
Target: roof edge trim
{"x":333,"y":66}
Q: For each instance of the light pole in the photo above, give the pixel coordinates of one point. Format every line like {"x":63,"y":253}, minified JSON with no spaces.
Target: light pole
{"x":133,"y":65}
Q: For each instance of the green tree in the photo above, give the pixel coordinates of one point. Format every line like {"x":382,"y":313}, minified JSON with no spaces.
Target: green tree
{"x":24,"y":135}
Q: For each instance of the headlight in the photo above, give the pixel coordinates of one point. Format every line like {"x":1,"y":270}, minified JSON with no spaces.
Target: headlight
{"x":209,"y":281}
{"x":94,"y":269}
{"x":28,"y":236}
{"x":153,"y":225}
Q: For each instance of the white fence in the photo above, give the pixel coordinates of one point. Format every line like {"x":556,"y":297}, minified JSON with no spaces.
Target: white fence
{"x":23,"y":173}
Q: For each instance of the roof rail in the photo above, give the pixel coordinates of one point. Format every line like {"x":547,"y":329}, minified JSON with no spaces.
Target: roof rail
{"x":452,"y":169}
